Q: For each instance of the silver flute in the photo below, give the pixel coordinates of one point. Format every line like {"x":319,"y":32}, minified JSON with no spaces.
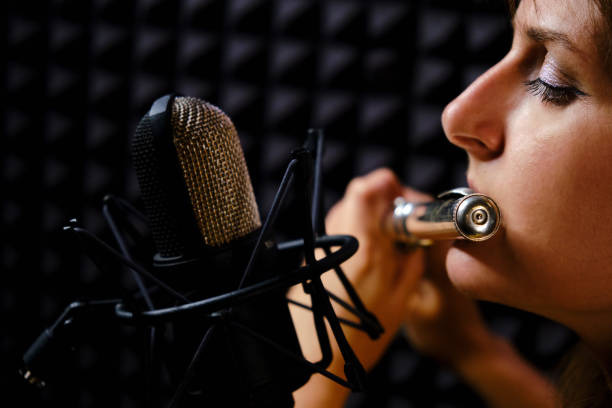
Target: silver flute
{"x":460,"y":213}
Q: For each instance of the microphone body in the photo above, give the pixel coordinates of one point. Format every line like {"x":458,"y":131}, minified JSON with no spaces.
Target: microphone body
{"x":198,"y":197}
{"x":214,"y":305}
{"x":455,"y":214}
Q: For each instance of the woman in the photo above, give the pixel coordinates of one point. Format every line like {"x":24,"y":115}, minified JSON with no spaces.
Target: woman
{"x":537,"y":128}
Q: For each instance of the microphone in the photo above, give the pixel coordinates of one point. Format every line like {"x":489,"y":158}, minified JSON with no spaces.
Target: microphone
{"x":192,"y":172}
{"x":459,"y":213}
{"x":211,"y":283}
{"x":204,"y":219}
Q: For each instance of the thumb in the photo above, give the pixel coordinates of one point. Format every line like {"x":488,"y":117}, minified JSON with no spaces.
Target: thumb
{"x":424,"y":303}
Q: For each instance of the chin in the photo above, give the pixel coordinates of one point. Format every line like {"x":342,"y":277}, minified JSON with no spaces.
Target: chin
{"x":470,"y":267}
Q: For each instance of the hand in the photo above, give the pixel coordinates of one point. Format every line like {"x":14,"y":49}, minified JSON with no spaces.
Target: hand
{"x":445,"y":324}
{"x":382,"y":276}
{"x":442,"y":322}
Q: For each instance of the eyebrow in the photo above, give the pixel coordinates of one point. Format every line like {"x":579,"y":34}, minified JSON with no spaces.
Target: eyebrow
{"x":540,"y":35}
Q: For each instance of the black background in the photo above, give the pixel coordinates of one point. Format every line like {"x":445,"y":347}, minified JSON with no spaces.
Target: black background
{"x":78,"y":74}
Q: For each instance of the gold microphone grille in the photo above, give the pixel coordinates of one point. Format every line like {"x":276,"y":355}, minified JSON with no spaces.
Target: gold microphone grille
{"x":215,"y":172}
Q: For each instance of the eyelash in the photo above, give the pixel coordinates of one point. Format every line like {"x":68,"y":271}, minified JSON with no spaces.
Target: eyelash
{"x":557,"y":95}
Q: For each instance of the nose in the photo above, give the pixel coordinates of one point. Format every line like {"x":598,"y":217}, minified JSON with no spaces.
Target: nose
{"x":476,"y":119}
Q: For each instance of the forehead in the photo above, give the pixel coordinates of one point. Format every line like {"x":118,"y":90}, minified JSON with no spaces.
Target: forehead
{"x":579,"y":21}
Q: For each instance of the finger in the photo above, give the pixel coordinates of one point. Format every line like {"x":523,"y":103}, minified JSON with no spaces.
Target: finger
{"x":424,"y":303}
{"x":415,"y":196}
{"x":409,"y":274}
{"x":376,"y":190}
{"x":436,"y":263}
{"x":364,"y":204}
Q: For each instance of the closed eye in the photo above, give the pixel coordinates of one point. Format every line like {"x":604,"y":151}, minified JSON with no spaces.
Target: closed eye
{"x":557,"y":95}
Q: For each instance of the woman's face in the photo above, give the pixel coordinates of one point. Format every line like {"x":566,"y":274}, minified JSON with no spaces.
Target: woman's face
{"x":537,"y":128}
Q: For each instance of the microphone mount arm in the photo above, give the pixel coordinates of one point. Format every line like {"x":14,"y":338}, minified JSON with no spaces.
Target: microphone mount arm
{"x":303,"y":174}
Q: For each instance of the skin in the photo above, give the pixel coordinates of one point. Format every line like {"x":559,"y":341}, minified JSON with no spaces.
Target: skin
{"x":547,"y":165}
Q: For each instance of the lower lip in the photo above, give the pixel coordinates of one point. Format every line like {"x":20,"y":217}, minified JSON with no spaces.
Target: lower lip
{"x":467,"y":244}
{"x":469,"y":248}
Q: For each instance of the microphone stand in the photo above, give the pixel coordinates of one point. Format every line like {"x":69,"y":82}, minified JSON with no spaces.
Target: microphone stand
{"x":224,"y":312}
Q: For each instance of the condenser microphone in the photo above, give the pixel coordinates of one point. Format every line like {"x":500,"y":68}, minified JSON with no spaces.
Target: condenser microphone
{"x":460,"y":213}
{"x":204,"y":220}
{"x":193,"y":178}
{"x":211,"y":283}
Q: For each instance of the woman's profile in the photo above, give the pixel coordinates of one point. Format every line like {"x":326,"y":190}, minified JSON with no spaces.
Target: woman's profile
{"x":536,"y":128}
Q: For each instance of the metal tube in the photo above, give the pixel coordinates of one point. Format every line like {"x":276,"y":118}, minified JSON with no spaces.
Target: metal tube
{"x":456,"y":214}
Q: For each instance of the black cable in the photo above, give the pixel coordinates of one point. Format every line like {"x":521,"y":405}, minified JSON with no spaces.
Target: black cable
{"x":270,"y":218}
{"x":83,"y":233}
{"x":318,"y":223}
{"x":124,"y":250}
{"x":341,"y":319}
{"x":125,"y":205}
{"x":348,"y":246}
{"x":362,"y":316}
{"x":289,"y":354}
{"x":191,"y":368}
{"x":150,"y":335}
{"x":374,"y":328}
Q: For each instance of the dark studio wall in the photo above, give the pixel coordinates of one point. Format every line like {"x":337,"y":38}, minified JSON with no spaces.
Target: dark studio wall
{"x":77,"y":75}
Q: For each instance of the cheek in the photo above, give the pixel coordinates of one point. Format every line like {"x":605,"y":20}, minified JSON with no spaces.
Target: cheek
{"x":560,"y":226}
{"x":562,"y":189}
{"x":554,"y":189}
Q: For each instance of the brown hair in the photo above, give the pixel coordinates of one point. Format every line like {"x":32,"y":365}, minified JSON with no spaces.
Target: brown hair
{"x":604,"y":42}
{"x":581,"y":381}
